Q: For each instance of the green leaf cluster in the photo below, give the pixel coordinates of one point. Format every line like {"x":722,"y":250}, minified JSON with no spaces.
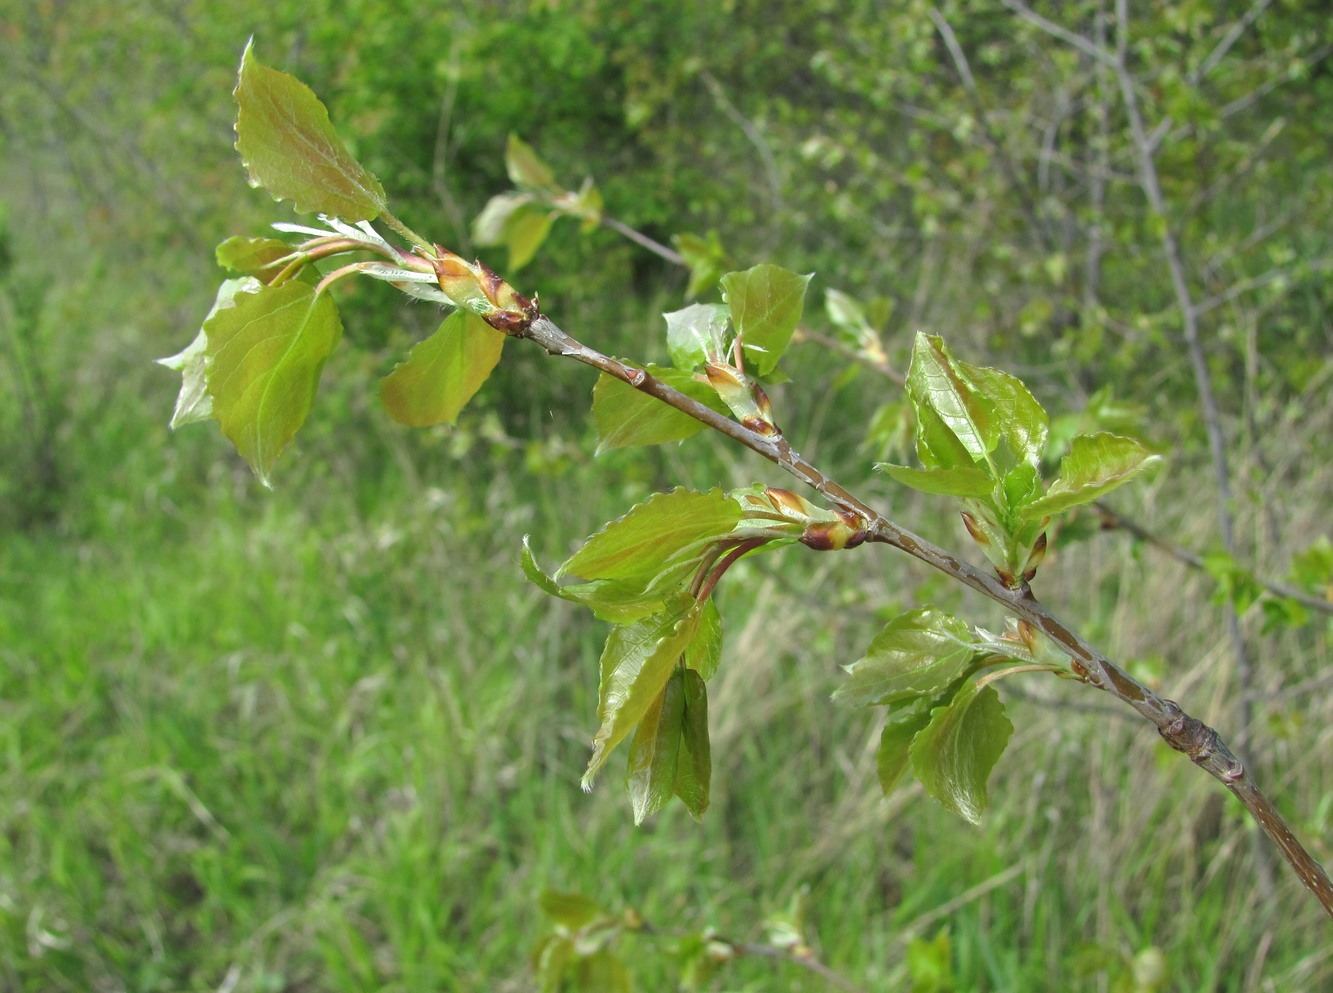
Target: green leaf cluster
{"x":762,"y":308}
{"x":945,"y":725}
{"x":981,"y":437}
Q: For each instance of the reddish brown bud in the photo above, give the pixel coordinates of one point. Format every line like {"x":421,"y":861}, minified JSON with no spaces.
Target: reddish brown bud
{"x":974,"y":529}
{"x":832,"y":536}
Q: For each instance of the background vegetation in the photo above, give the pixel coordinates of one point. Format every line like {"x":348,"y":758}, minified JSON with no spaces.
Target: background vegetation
{"x":326,"y":738}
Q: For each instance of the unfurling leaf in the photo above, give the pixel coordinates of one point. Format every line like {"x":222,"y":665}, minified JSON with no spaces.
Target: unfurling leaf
{"x":570,"y":910}
{"x":624,"y":416}
{"x":696,"y":335}
{"x":265,"y":354}
{"x":655,"y":750}
{"x":704,"y":652}
{"x":766,"y":304}
{"x":290,"y":148}
{"x":1095,"y":465}
{"x":694,"y":767}
{"x":956,"y":425}
{"x":666,"y":529}
{"x":919,"y":652}
{"x":194,"y":403}
{"x":636,"y":663}
{"x":442,"y":373}
{"x":955,"y":752}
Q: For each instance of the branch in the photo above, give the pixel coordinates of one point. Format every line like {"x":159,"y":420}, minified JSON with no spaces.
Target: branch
{"x":1181,"y":731}
{"x":1113,"y":520}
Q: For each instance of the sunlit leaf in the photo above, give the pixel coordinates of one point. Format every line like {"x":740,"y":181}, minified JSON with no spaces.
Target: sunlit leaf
{"x":1095,"y":465}
{"x":665,"y":528}
{"x":953,"y":755}
{"x":963,"y":481}
{"x":442,"y":373}
{"x":624,"y":416}
{"x":636,"y":663}
{"x":766,"y":304}
{"x":696,"y":334}
{"x":704,"y":652}
{"x":955,"y":424}
{"x":265,"y":354}
{"x":1021,"y":421}
{"x":489,"y":226}
{"x":921,"y":651}
{"x":290,"y":148}
{"x":525,"y":231}
{"x":194,"y":402}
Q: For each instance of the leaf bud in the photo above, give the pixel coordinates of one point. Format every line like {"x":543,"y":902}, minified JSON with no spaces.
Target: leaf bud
{"x":832,"y":536}
{"x":975,"y":530}
{"x":1035,"y":558}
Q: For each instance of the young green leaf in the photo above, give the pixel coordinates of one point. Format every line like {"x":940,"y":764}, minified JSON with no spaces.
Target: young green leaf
{"x":253,"y":256}
{"x":706,"y":258}
{"x":920,"y":651}
{"x":962,"y":482}
{"x":655,"y":750}
{"x":290,"y":148}
{"x":666,"y":528}
{"x":526,"y":169}
{"x":1022,"y":422}
{"x":893,"y":757}
{"x":265,"y":354}
{"x":955,"y":423}
{"x":612,"y":601}
{"x":1095,"y":465}
{"x":442,"y":373}
{"x":525,"y":232}
{"x":766,"y":304}
{"x":489,"y":226}
{"x":193,"y":403}
{"x":571,"y":911}
{"x":694,"y":766}
{"x":636,"y":663}
{"x":954,"y":754}
{"x":704,"y":652}
{"x":696,"y":335}
{"x":626,"y":417}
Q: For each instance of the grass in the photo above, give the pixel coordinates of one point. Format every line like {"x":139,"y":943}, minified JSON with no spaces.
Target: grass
{"x":327,"y":739}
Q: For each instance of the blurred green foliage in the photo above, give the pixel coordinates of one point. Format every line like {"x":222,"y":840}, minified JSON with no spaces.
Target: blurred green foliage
{"x":322,"y":740}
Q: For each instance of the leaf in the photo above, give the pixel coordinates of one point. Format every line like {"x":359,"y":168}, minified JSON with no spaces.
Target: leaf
{"x":253,"y":256}
{"x":601,"y":972}
{"x":766,"y":304}
{"x":1020,"y":419}
{"x":920,"y":651}
{"x":706,"y":258}
{"x":525,"y":231}
{"x":666,"y":527}
{"x":569,"y":910}
{"x":624,"y":416}
{"x":489,"y":227}
{"x":696,"y":334}
{"x":655,"y":750}
{"x":265,"y":354}
{"x":954,"y":754}
{"x":194,"y":403}
{"x":442,"y":373}
{"x":955,"y":424}
{"x":895,"y":741}
{"x":526,"y":169}
{"x":704,"y":652}
{"x":290,"y":148}
{"x":694,"y":766}
{"x":636,"y":663}
{"x":964,"y":481}
{"x":1095,"y":465}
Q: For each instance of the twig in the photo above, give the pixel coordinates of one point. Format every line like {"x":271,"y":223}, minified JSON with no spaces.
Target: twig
{"x":1113,"y":520}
